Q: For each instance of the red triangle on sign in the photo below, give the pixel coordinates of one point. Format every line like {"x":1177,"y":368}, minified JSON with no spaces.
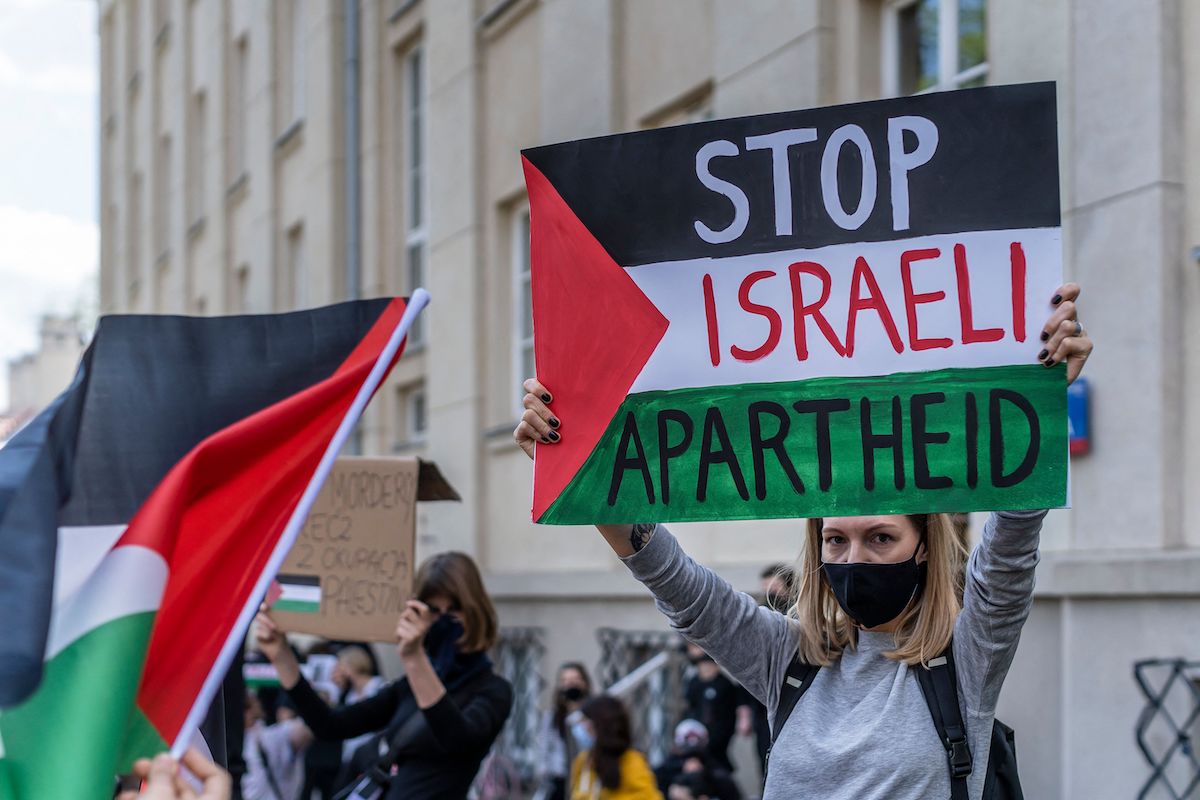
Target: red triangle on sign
{"x":594,"y":331}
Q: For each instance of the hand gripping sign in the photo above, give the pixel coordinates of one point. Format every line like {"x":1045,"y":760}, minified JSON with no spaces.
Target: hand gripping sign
{"x":825,"y":312}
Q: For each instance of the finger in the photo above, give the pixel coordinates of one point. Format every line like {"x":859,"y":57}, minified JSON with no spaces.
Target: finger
{"x":1065,"y":311}
{"x":203,"y":768}
{"x":545,"y":433}
{"x":217,"y":783}
{"x":1068,"y":291}
{"x":526,"y":435}
{"x":1075,"y":351}
{"x":534,"y":387}
{"x":1065,"y":329}
{"x":141,"y":768}
{"x":417,"y":606}
{"x":267,"y":629}
{"x":534,"y":403}
{"x":162,"y":774}
{"x":184,"y":789}
{"x":526,"y":444}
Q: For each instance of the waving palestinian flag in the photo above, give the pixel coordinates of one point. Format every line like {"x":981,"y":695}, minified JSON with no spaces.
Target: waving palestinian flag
{"x":825,"y":312}
{"x":143,"y":514}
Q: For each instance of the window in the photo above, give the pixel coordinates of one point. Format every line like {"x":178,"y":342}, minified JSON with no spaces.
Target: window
{"x":412,"y":418}
{"x":162,"y":197}
{"x":197,"y":139}
{"x":162,"y":16}
{"x":416,"y":228}
{"x":238,"y":76}
{"x":133,"y":222}
{"x":522,"y":324}
{"x":289,"y":60}
{"x":418,"y":420}
{"x":295,"y":282}
{"x":241,"y":292}
{"x":930,"y":45}
{"x":134,"y":23}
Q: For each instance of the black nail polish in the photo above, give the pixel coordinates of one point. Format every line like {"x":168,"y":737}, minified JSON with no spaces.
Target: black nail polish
{"x":1042,"y":355}
{"x":1045,"y":336}
{"x":554,"y":437}
{"x":545,"y":398}
{"x":1049,"y":362}
{"x":545,"y":440}
{"x":554,"y":422}
{"x":1057,"y":299}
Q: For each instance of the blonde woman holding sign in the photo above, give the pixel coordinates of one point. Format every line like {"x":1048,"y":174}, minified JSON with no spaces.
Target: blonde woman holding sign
{"x":861,"y":674}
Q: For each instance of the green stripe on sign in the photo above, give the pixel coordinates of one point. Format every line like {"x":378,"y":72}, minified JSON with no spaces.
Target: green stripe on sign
{"x":298,"y":606}
{"x":947,"y":440}
{"x":66,"y":740}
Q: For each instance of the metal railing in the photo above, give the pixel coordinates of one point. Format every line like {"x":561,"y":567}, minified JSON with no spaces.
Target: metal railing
{"x":1166,"y":728}
{"x":508,"y":771}
{"x":645,"y":669}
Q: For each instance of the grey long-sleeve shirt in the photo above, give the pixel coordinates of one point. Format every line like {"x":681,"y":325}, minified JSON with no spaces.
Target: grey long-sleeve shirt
{"x":862,"y":731}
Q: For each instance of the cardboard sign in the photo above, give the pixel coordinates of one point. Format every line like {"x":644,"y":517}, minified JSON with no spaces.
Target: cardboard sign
{"x":824,"y":312}
{"x":351,"y":569}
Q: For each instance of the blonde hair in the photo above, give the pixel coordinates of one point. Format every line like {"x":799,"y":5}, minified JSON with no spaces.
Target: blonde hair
{"x":926,"y":626}
{"x":356,"y":660}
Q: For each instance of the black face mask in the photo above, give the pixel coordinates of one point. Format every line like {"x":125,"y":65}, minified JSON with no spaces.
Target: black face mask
{"x":874,"y":594}
{"x":573,"y":694}
{"x":441,"y":643}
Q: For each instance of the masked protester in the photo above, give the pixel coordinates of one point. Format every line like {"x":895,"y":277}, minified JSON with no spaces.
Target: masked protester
{"x":440,"y":720}
{"x":561,"y":737}
{"x":690,"y":755}
{"x":609,"y":768}
{"x":877,"y":602}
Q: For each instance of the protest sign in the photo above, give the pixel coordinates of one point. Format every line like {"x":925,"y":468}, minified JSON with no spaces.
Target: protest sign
{"x":351,"y":570}
{"x":825,"y":312}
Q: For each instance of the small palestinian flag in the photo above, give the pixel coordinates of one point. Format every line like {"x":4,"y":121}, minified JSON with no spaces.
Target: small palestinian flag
{"x":299,"y":593}
{"x":833,"y":311}
{"x":143,"y":514}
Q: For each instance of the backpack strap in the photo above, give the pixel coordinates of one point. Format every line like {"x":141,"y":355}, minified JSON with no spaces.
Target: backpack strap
{"x":796,"y":681}
{"x":939,"y":684}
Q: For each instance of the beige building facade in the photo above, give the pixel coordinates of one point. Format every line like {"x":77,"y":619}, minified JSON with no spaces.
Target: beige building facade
{"x":231,"y":174}
{"x":36,"y":378}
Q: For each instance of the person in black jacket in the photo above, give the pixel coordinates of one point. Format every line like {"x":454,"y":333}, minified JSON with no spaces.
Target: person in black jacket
{"x":450,"y":706}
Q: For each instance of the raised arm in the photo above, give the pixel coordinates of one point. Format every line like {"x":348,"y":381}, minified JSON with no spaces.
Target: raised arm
{"x":752,"y":642}
{"x":347,"y":722}
{"x":997,"y":596}
{"x":998,"y":590}
{"x":729,"y":625}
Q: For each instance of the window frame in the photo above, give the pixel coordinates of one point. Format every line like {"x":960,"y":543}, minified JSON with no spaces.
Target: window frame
{"x":521,"y":262}
{"x":415,"y":189}
{"x":949,"y":76}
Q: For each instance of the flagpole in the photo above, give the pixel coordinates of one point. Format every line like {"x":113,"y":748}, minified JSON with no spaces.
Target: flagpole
{"x":418,"y":301}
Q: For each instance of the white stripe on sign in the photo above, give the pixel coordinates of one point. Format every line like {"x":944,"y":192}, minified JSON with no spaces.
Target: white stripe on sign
{"x":785,"y":316}
{"x":129,"y":580}
{"x":300,"y":593}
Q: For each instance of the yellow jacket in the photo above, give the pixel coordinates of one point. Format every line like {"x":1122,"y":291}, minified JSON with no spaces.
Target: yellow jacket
{"x":637,"y":781}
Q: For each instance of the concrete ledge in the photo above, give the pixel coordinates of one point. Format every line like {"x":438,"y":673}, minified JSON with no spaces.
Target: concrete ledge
{"x":1105,"y":574}
{"x":1119,"y":573}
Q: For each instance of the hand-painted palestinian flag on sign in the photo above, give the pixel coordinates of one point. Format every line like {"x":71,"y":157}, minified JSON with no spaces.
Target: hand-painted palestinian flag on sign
{"x":825,"y":312}
{"x":143,"y":514}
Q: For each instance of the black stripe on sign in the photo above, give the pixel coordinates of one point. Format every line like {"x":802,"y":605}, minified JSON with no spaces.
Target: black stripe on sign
{"x":299,"y":580}
{"x":995,"y":167}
